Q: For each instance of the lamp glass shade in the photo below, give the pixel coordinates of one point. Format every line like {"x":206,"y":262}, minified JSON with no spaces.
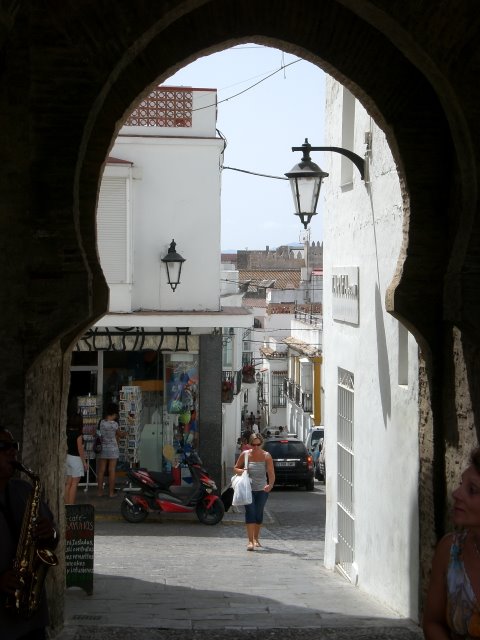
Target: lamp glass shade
{"x":174,"y":269}
{"x":305,"y":181}
{"x":173,"y":262}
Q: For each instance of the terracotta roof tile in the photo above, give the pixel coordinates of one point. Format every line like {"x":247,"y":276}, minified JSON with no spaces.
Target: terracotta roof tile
{"x":302,"y":347}
{"x":282,"y":279}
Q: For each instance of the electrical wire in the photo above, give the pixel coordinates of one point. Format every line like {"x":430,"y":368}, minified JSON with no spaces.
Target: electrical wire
{"x":253,"y":173}
{"x":235,"y":95}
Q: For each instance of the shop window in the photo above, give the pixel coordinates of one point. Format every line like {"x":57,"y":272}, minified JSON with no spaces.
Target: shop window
{"x":123,"y":368}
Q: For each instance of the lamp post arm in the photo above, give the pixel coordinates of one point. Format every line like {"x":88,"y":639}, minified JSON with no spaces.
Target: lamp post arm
{"x":356,"y":159}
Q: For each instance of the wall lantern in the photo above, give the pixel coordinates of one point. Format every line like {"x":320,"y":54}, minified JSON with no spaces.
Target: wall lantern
{"x":306,"y":179}
{"x":173,"y":261}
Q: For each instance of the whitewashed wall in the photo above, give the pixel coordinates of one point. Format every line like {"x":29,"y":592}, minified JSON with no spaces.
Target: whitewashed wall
{"x":228,"y":280}
{"x":173,"y":192}
{"x":175,"y":195}
{"x":231,"y":417}
{"x":363,"y":228}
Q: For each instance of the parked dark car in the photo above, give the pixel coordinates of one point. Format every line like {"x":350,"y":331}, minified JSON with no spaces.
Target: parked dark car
{"x":293,"y":464}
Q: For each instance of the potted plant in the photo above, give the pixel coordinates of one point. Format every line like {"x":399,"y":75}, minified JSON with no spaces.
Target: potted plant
{"x":248,"y":373}
{"x":227,"y":391}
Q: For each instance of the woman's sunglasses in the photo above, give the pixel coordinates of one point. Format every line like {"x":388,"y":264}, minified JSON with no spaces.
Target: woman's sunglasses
{"x":7,"y":445}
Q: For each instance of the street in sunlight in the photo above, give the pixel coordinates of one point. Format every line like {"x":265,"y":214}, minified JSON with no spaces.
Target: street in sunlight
{"x":173,"y":577}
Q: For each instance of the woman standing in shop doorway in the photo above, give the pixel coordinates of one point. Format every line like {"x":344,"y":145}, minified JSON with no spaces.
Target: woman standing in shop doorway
{"x":260,"y":465}
{"x":109,"y":433}
{"x":77,"y":463}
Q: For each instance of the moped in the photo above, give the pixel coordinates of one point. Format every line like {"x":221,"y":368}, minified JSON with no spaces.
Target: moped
{"x":158,"y":494}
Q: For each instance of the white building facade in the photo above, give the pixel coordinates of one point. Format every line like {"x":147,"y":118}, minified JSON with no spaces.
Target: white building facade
{"x":161,"y":183}
{"x":370,"y":369}
{"x":303,"y":388}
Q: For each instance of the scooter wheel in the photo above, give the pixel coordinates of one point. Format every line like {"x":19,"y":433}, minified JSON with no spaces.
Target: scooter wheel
{"x":132,"y":513}
{"x":211,"y":515}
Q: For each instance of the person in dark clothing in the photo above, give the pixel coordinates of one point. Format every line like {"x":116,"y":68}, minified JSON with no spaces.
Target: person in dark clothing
{"x":14,"y":495}
{"x":77,"y":463}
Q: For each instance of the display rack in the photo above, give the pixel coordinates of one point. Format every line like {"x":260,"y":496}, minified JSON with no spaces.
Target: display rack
{"x":130,"y":422}
{"x":88,"y":407}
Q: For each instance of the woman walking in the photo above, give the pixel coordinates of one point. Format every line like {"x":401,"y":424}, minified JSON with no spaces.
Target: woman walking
{"x":260,"y":465}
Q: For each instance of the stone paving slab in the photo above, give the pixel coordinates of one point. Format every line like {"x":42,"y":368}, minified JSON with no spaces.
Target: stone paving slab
{"x":239,"y":633}
{"x":164,"y":580}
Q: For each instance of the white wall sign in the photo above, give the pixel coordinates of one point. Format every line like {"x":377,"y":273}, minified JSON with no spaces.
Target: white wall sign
{"x":345,"y":294}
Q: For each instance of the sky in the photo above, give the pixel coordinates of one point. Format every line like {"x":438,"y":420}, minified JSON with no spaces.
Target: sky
{"x":260,"y":126}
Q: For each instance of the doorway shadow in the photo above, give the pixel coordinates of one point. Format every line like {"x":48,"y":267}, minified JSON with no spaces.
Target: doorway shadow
{"x":126,"y":607}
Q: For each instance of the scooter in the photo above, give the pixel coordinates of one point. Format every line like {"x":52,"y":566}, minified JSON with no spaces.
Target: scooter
{"x":158,"y":494}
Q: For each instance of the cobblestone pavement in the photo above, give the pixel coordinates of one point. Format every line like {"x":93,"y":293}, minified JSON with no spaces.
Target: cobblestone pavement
{"x":178,"y":579}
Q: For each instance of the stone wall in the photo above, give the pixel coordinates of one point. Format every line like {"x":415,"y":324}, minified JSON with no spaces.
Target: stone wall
{"x":283,"y":257}
{"x":70,"y":73}
{"x":44,"y":449}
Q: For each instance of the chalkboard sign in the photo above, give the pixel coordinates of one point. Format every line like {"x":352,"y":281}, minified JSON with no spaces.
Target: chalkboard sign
{"x":79,"y":539}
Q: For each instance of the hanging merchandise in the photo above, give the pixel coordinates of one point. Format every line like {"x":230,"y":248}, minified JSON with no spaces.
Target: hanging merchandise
{"x":88,"y":408}
{"x":182,"y":387}
{"x":130,"y":422}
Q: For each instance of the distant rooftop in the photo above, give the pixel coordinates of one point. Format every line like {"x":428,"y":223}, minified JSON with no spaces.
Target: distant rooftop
{"x":272,"y":279}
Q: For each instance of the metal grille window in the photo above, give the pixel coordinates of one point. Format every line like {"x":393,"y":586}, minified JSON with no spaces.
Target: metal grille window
{"x":278,"y":390}
{"x":345,"y":472}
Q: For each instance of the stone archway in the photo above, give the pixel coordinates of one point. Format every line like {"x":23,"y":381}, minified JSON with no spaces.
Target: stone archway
{"x":71,"y":72}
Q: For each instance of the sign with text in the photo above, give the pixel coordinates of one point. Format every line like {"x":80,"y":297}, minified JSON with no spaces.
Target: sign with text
{"x":79,"y":542}
{"x":345,"y":295}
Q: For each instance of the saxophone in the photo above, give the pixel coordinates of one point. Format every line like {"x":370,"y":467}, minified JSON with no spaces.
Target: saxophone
{"x":32,"y":560}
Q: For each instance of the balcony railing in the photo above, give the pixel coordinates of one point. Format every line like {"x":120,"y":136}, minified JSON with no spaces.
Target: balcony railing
{"x":295,"y":393}
{"x":307,"y":404}
{"x":308,"y":318}
{"x":298,"y":395}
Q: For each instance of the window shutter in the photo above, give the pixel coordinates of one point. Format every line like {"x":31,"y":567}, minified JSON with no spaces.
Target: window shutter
{"x":112,"y":232}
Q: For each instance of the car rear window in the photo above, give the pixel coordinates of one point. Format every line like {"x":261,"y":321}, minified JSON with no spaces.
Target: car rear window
{"x":285,"y":449}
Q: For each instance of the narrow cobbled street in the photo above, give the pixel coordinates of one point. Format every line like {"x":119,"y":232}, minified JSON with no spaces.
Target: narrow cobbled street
{"x":174,"y":578}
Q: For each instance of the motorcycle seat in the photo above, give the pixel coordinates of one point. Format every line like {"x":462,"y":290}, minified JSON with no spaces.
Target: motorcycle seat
{"x":180,"y":490}
{"x":161,"y":478}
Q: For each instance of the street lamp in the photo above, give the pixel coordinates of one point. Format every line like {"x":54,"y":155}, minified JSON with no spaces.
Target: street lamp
{"x":306,"y":179}
{"x":174,"y":262}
